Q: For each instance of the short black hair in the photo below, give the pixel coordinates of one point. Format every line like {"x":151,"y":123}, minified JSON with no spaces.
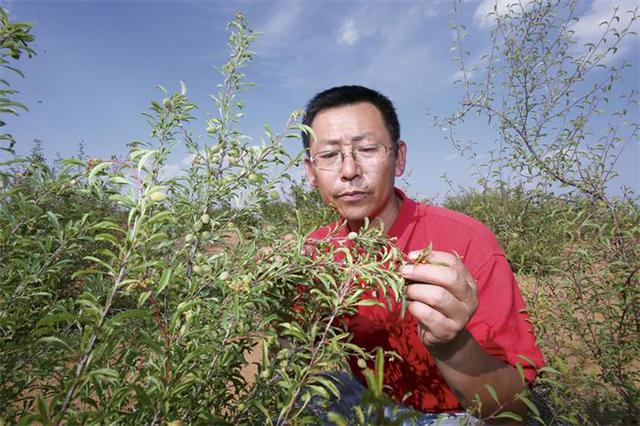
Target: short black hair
{"x":349,"y":95}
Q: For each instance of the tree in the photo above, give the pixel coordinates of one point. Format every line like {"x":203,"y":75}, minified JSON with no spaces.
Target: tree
{"x":131,"y":297}
{"x":559,"y":134}
{"x":15,"y":39}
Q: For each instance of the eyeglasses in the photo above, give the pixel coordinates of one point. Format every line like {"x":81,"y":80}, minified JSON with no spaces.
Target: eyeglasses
{"x":364,"y":155}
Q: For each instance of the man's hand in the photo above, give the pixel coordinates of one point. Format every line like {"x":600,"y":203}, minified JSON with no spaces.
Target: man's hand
{"x":441,"y":296}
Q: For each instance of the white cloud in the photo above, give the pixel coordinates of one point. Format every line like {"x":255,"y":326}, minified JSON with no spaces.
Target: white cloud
{"x":393,"y":47}
{"x":277,"y":29}
{"x":349,"y":34}
{"x":173,"y":169}
{"x":403,"y":53}
{"x":589,"y":29}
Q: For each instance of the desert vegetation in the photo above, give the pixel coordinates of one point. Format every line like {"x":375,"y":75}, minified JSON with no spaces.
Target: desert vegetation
{"x":130,"y":297}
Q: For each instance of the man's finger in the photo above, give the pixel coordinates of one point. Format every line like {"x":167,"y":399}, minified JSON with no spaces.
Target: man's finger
{"x":439,"y":327}
{"x":428,"y":273}
{"x":454,"y":280}
{"x":435,"y":296}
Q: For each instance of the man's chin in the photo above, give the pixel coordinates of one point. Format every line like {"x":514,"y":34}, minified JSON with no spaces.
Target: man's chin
{"x":354,"y":215}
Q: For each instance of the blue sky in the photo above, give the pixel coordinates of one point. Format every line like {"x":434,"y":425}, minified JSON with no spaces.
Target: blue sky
{"x":98,"y":64}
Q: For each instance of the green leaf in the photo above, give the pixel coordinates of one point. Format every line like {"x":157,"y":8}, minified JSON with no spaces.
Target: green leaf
{"x":98,"y":168}
{"x":531,"y":405}
{"x":55,"y":318}
{"x":163,"y":217}
{"x":370,"y":302}
{"x":164,"y":280}
{"x":144,"y":159}
{"x":101,"y":263}
{"x":109,"y":374}
{"x":493,"y":393}
{"x":108,"y":238}
{"x":123,"y":199}
{"x":73,"y":162}
{"x":55,"y":341}
{"x":117,"y":179}
{"x":508,"y":415}
{"x":337,"y":419}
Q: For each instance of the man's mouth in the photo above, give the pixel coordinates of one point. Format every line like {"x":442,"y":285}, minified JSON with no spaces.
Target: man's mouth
{"x":352,"y":195}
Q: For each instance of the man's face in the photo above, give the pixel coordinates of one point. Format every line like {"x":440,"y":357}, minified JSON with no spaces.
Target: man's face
{"x":356,"y":191}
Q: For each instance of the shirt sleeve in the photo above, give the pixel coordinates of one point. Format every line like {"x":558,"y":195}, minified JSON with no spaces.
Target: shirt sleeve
{"x":501,"y":324}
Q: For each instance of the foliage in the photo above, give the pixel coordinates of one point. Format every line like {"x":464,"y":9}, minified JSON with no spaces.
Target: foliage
{"x":128,"y":297}
{"x":14,"y":42}
{"x":525,"y":223}
{"x":303,"y":209}
{"x":546,"y":191}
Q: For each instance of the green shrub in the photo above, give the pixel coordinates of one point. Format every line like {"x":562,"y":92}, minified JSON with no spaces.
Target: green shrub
{"x":525,"y":224}
{"x":547,"y":96}
{"x":126,"y":297}
{"x":578,"y":263}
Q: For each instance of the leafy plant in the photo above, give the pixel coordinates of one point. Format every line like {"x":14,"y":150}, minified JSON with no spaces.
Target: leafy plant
{"x":15,"y":38}
{"x":129,"y":297}
{"x":547,"y":98}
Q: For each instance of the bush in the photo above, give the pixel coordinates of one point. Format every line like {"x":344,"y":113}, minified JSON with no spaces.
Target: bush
{"x":525,"y":224}
{"x":129,"y":298}
{"x":578,"y":263}
{"x":558,"y":134}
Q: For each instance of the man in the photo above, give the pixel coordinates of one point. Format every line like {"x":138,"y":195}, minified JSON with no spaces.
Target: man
{"x":465,"y":326}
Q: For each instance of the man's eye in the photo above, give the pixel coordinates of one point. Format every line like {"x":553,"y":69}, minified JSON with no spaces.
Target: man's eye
{"x":327,"y":155}
{"x":369,"y":149}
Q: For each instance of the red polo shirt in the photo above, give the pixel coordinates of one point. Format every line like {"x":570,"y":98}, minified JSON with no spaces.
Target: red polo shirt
{"x":500,"y":324}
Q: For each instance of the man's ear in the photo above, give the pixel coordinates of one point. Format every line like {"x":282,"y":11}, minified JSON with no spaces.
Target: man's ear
{"x":401,"y":157}
{"x":311,"y":172}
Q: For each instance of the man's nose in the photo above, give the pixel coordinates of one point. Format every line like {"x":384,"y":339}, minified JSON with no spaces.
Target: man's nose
{"x":350,"y":167}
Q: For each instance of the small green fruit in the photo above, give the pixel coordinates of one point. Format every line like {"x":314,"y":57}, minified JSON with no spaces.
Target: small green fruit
{"x":188,"y":238}
{"x":205,"y":218}
{"x":274,"y":195}
{"x":157,"y":196}
{"x":266,"y":373}
{"x":352,"y":235}
{"x":253,"y":178}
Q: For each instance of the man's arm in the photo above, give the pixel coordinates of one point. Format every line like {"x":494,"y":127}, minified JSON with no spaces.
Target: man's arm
{"x":442,"y":297}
